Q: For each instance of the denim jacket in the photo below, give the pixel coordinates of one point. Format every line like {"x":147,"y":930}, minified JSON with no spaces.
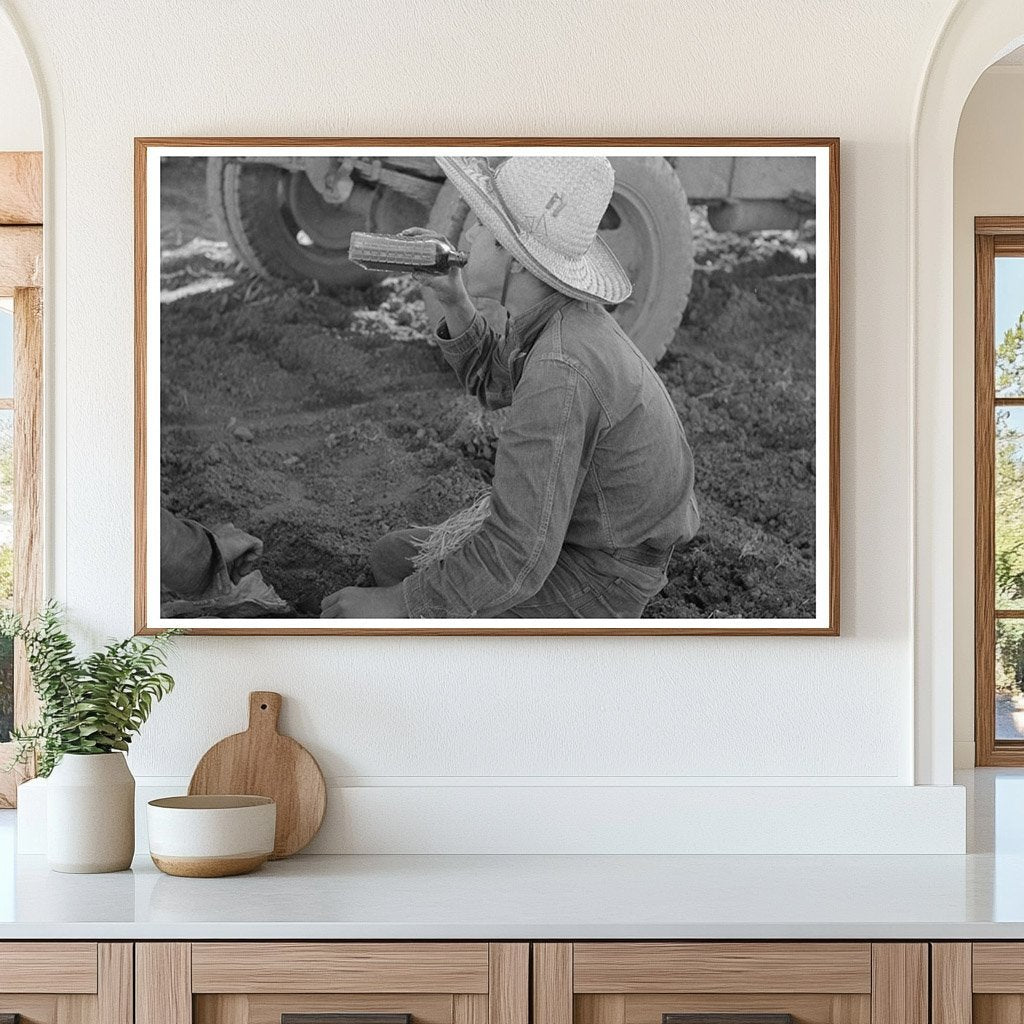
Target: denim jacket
{"x":592,"y":454}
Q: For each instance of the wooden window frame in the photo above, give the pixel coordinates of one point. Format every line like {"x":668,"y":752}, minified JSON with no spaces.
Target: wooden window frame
{"x":21,"y":278}
{"x":993,"y":236}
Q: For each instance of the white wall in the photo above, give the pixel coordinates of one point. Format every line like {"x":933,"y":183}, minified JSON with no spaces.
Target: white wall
{"x":438,"y":712}
{"x":988,"y":182}
{"x":21,"y":126}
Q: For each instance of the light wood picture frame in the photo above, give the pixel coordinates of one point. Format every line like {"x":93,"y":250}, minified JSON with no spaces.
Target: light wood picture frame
{"x":312,"y":193}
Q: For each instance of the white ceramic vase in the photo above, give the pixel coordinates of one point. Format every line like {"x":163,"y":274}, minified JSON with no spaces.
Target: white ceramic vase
{"x":90,"y":814}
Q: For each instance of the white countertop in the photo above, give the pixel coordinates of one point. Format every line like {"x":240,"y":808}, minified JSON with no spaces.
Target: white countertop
{"x":976,"y":896}
{"x":497,"y":897}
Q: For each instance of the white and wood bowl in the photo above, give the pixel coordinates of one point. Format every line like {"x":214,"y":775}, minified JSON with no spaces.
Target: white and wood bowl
{"x":211,"y":836}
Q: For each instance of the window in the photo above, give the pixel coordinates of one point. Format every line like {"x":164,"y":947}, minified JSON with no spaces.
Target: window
{"x":21,"y":320}
{"x":20,"y":502}
{"x":6,"y":510}
{"x":999,"y":490}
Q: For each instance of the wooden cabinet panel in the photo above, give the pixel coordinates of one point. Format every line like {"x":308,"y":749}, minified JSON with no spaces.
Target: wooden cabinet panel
{"x":648,"y":1008}
{"x":552,"y":983}
{"x":807,"y":1008}
{"x":899,"y":989}
{"x":995,"y":983}
{"x":64,"y":967}
{"x":469,"y":1009}
{"x":812,"y":982}
{"x":508,"y":983}
{"x":257,"y":982}
{"x":989,"y":1008}
{"x":115,"y":968}
{"x":66,"y":982}
{"x":594,"y":1009}
{"x":267,"y":1009}
{"x":951,"y":982}
{"x":340,"y":967}
{"x":489,"y":983}
{"x":998,"y":967}
{"x":634,"y":967}
{"x":32,"y":1007}
{"x":163,"y":983}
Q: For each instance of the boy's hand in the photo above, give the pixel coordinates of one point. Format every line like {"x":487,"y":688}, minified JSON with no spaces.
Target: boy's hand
{"x":449,"y":288}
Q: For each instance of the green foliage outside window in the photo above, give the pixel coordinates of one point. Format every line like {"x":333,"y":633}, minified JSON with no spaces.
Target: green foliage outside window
{"x":6,"y":688}
{"x":1009,"y":511}
{"x":1009,"y":656}
{"x":1010,"y":362}
{"x":6,"y":572}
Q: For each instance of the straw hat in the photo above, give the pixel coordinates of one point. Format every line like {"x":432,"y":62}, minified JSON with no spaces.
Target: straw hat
{"x":545,"y":211}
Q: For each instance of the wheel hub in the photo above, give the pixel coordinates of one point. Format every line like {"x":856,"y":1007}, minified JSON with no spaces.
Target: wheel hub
{"x":325,"y":224}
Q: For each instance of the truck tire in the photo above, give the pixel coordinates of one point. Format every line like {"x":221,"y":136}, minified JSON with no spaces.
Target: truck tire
{"x":647,"y":226}
{"x":280,"y":227}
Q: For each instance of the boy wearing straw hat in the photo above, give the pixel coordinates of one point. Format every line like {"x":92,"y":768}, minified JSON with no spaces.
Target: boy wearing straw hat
{"x":593,"y":479}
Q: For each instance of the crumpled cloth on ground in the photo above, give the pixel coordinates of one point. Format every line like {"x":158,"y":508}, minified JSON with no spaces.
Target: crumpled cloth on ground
{"x":196,"y":582}
{"x":250,"y":598}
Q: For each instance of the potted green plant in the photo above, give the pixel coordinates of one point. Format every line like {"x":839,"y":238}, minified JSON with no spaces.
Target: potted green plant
{"x":90,"y":708}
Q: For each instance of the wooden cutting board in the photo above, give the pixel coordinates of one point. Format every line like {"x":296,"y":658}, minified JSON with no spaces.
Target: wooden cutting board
{"x":262,"y":762}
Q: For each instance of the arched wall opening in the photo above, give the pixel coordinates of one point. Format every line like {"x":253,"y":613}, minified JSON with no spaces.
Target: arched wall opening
{"x":21,"y":138}
{"x":21,"y":121}
{"x":976,"y":35}
{"x":987,"y":182}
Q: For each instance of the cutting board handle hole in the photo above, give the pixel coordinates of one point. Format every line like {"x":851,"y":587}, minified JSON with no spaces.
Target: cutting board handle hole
{"x":263,"y":707}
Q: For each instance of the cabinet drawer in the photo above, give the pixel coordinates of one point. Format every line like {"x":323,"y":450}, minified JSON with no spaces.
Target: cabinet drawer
{"x":642,"y":982}
{"x":730,"y":983}
{"x":66,"y":982}
{"x":980,"y":982}
{"x":332,"y":983}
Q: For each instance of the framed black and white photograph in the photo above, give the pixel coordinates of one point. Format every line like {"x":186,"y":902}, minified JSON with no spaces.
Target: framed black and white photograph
{"x":446,"y":386}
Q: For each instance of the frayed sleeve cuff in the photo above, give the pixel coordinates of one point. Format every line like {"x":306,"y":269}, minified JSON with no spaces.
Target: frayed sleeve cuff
{"x":423,"y":600}
{"x":417,"y":605}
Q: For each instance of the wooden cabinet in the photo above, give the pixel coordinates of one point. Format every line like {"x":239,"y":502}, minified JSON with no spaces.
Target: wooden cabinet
{"x":978,"y":983}
{"x":66,"y":982}
{"x":308,"y":982}
{"x":752,"y":982}
{"x":512,"y":983}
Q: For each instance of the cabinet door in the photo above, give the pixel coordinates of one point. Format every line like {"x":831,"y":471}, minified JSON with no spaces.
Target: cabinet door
{"x":980,"y":982}
{"x":66,"y":983}
{"x":332,"y":983}
{"x":730,"y":983}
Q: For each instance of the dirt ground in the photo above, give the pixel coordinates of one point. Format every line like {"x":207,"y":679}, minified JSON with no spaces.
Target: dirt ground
{"x":318,"y":422}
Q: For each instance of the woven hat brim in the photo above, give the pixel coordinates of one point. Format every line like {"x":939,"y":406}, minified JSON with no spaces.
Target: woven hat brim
{"x":595,"y":276}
